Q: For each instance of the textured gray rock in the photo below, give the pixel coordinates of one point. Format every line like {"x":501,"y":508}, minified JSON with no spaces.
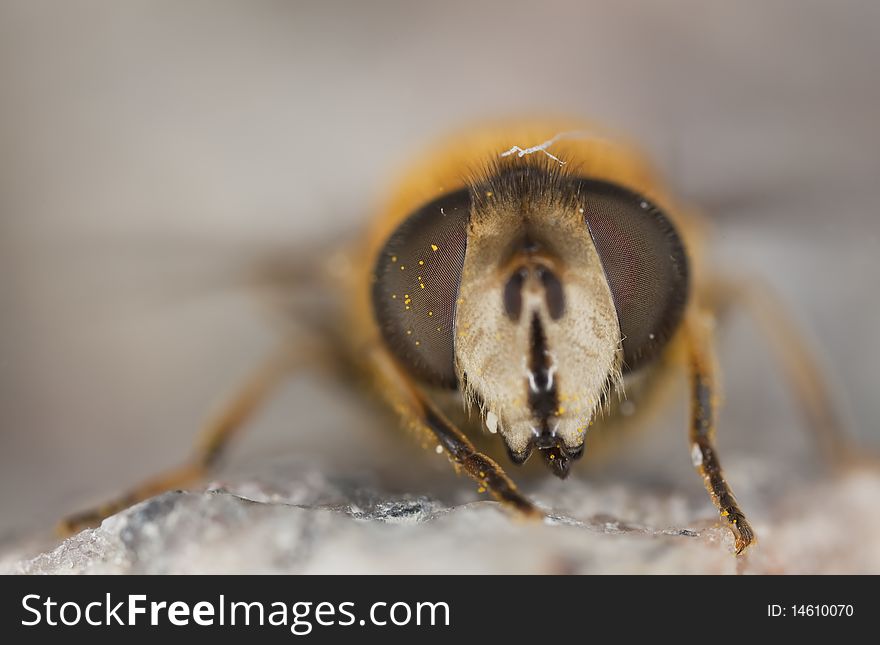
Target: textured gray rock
{"x":303,"y":523}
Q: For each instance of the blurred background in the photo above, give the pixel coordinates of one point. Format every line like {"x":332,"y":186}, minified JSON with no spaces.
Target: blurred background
{"x":149,"y":151}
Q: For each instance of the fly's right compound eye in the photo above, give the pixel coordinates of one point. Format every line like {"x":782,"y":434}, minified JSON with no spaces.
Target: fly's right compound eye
{"x":416,"y":283}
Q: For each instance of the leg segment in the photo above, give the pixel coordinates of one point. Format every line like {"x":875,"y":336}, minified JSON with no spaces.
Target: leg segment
{"x":702,"y":431}
{"x":480,"y":467}
{"x":797,"y":361}
{"x":415,"y":408}
{"x":216,"y":438}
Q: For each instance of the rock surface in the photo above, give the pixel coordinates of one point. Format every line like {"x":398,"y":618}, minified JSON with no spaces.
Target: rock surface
{"x":292,"y":521}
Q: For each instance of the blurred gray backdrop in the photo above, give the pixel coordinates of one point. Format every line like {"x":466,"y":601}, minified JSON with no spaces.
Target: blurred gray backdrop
{"x":149,"y":150}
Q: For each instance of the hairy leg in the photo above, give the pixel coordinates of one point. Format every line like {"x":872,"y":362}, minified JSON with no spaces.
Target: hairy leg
{"x":800,"y":367}
{"x":701,"y":364}
{"x":423,"y":416}
{"x":216,"y":437}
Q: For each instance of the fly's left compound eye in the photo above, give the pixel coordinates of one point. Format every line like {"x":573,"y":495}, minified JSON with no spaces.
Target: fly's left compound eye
{"x":644,"y":262}
{"x":416,"y":283}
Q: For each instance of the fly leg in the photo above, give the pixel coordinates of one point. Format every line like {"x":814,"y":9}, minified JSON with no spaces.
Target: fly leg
{"x":798,"y":363}
{"x":701,"y":367}
{"x":419,"y":413}
{"x":216,"y":437}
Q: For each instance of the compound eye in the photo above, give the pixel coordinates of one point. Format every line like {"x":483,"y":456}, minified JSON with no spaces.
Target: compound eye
{"x":645,"y":265}
{"x":416,"y":282}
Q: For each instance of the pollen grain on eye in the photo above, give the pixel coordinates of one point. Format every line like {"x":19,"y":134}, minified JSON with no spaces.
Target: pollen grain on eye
{"x":434,"y":247}
{"x":394,"y":258}
{"x":402,"y":267}
{"x":421,"y":263}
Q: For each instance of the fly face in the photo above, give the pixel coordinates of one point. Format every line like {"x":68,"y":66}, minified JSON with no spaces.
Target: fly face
{"x":533,"y":291}
{"x":537,"y":339}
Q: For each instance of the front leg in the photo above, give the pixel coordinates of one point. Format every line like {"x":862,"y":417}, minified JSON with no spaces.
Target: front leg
{"x":701,"y":366}
{"x":407,"y":398}
{"x":479,"y":466}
